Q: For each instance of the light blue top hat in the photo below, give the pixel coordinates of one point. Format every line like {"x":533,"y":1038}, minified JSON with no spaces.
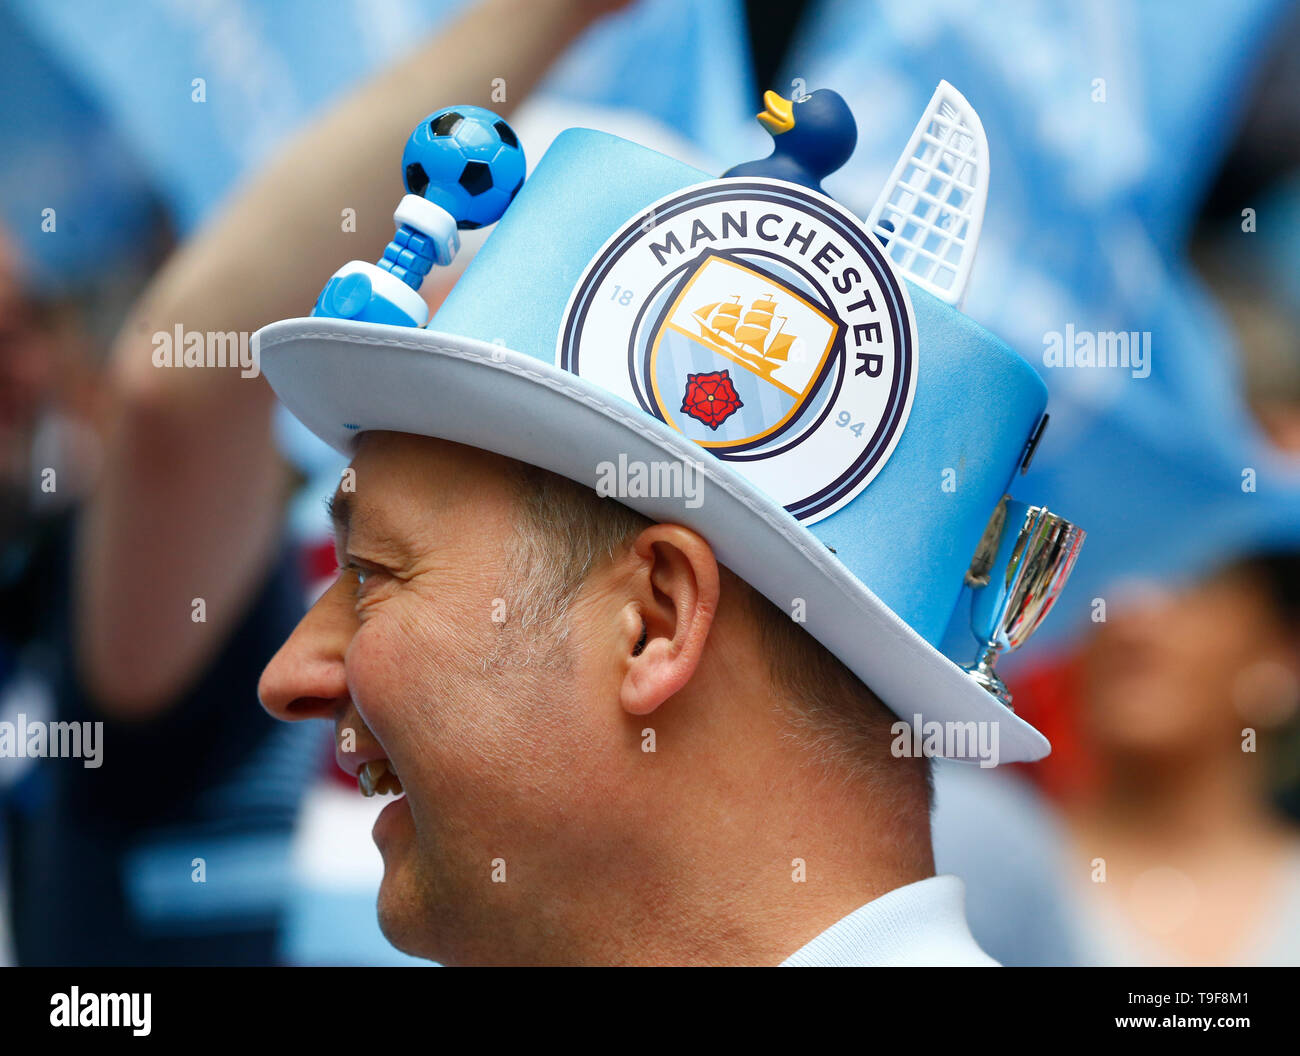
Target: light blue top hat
{"x":743,"y":356}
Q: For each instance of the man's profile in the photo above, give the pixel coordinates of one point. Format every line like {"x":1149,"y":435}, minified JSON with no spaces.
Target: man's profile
{"x":521,"y":741}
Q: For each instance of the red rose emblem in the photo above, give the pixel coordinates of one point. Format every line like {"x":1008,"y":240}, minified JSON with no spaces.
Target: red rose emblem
{"x":711,"y":398}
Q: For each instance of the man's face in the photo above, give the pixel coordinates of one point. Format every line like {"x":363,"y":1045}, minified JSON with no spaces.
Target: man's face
{"x":1165,"y":673}
{"x":506,"y":755}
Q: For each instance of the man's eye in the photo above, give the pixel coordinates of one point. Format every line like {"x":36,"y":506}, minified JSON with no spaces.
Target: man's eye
{"x":357,"y":570}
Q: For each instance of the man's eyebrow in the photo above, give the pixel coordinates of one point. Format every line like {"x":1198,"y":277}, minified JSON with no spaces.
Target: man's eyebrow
{"x":339,"y":508}
{"x":353,"y":521}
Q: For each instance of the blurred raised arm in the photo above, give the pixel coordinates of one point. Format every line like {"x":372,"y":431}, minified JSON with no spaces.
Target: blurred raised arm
{"x":190,"y":504}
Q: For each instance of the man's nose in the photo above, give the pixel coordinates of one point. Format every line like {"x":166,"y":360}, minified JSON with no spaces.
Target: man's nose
{"x":306,"y":678}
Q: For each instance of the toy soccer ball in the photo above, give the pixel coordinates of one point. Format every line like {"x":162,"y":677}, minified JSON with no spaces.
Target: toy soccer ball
{"x":468,"y":161}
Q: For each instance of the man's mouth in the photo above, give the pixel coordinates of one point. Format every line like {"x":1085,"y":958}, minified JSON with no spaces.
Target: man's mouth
{"x":377,"y":778}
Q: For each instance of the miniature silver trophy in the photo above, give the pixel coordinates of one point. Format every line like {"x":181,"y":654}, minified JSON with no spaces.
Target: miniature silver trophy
{"x":1017,"y":583}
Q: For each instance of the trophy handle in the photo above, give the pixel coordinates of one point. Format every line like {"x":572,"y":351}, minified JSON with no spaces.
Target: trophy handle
{"x":1016,"y":586}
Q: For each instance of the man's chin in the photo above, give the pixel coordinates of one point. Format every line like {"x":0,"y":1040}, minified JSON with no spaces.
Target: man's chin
{"x":399,"y":907}
{"x":403,"y":915}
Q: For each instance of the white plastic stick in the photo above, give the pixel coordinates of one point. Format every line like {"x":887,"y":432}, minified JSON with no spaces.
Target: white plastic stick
{"x":931,"y":210}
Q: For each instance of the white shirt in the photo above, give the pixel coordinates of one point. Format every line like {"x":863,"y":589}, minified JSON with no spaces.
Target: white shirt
{"x":919,"y":924}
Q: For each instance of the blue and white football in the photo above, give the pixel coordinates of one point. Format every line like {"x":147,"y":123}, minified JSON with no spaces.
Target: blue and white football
{"x":467,"y":160}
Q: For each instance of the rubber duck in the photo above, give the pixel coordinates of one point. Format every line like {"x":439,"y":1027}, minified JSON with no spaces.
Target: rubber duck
{"x":812,"y":137}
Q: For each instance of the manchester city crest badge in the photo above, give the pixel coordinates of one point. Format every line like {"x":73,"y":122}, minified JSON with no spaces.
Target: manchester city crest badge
{"x":760,"y":320}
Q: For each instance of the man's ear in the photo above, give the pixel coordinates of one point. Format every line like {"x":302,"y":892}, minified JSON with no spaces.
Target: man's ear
{"x":667,"y":620}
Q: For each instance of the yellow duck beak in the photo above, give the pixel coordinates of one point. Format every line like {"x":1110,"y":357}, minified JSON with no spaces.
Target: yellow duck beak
{"x":777,"y":115}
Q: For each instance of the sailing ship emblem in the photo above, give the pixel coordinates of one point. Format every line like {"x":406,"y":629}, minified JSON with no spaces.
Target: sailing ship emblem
{"x":729,"y":314}
{"x":750,"y":335}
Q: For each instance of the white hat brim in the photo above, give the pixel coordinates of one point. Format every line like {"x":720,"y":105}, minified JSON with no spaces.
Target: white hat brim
{"x":341,"y":378}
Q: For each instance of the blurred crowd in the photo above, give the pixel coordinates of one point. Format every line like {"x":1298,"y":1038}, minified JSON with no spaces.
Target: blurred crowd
{"x":208,"y":166}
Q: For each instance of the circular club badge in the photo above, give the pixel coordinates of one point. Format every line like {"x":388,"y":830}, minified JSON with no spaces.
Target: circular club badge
{"x":760,"y":320}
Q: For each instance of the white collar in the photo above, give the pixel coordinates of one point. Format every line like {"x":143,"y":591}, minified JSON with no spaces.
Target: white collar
{"x":923,"y":923}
